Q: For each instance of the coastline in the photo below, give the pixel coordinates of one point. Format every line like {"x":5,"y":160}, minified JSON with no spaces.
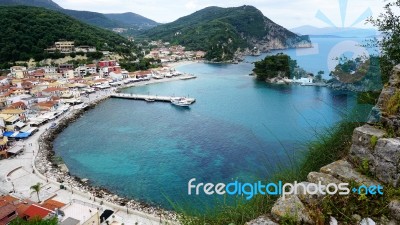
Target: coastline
{"x":50,"y":171}
{"x":182,"y":63}
{"x":44,"y":167}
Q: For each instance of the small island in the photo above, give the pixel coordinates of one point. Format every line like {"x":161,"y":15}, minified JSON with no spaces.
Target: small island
{"x":281,"y":69}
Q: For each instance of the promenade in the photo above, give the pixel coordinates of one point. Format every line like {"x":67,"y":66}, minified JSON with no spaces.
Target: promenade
{"x":18,"y":174}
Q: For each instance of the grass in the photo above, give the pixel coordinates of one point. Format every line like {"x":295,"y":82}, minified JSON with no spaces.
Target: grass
{"x":343,"y":207}
{"x":373,"y":141}
{"x":392,"y":106}
{"x":329,"y":146}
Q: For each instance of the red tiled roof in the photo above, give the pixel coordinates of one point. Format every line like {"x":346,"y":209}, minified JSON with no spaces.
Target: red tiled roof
{"x":47,"y":104}
{"x":52,"y":204}
{"x":17,"y":105}
{"x":22,"y":207}
{"x":8,"y":198}
{"x":53,"y":89}
{"x":8,"y":93}
{"x":55,"y":98}
{"x":5,"y":211}
{"x":35,"y":211}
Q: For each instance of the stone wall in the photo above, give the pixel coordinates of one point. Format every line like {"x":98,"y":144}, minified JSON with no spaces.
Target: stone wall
{"x":375,"y":147}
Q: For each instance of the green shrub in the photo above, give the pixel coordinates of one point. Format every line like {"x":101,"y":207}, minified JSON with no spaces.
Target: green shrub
{"x":392,"y":106}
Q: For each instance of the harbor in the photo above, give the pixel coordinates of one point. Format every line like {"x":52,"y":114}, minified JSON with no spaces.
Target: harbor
{"x":151,"y":98}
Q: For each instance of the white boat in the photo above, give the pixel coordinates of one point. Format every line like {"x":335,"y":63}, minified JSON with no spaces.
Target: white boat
{"x":150,"y":99}
{"x":183,"y":102}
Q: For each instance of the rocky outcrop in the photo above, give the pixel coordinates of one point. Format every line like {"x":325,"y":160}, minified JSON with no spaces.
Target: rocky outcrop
{"x":345,"y":171}
{"x":375,"y":152}
{"x":262,"y":220}
{"x":394,"y":207}
{"x":291,"y":207}
{"x":379,"y":113}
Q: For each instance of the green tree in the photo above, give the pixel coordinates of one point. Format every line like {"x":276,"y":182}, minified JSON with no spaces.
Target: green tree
{"x":389,"y":24}
{"x":318,"y":77}
{"x":19,"y":221}
{"x":36,"y":189}
{"x":276,"y":65}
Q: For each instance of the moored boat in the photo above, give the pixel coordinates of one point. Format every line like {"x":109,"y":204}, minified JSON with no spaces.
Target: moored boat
{"x":150,"y":99}
{"x":183,"y":102}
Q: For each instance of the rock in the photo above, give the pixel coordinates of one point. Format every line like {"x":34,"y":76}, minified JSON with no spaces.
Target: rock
{"x":343,"y":170}
{"x":356,"y":218}
{"x":387,"y":161}
{"x":333,"y":221}
{"x":362,"y":135}
{"x":308,"y":198}
{"x":325,"y":179}
{"x":367,"y":221}
{"x":375,"y":115}
{"x":291,"y":207}
{"x":394,"y":207}
{"x":262,"y":220}
{"x":385,"y":221}
{"x":363,"y":144}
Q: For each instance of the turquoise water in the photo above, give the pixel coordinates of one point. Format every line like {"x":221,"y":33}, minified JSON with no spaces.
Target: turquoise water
{"x":237,"y":129}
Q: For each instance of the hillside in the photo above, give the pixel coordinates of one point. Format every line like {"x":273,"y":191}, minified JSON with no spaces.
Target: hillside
{"x":131,"y":19}
{"x":49,"y":4}
{"x":30,"y":30}
{"x":221,"y":31}
{"x":124,"y":20}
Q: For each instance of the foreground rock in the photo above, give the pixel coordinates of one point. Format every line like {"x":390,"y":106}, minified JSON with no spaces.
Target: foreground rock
{"x":262,"y":220}
{"x":394,"y":208}
{"x":292,"y":208}
{"x":343,"y":170}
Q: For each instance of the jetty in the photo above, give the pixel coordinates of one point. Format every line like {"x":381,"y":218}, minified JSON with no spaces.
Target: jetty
{"x":157,"y":98}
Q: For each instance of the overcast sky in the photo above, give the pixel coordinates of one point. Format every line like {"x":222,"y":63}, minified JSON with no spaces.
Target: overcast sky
{"x":288,"y":13}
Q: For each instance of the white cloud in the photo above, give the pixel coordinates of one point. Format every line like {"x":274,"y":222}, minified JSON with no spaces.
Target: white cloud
{"x":288,"y":13}
{"x":191,"y":5}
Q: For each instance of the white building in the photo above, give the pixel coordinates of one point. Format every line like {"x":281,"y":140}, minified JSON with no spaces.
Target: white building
{"x":80,"y":213}
{"x":18,"y":72}
{"x":304,"y":80}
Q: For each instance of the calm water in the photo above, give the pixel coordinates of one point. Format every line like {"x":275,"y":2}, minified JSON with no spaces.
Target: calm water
{"x":237,"y":129}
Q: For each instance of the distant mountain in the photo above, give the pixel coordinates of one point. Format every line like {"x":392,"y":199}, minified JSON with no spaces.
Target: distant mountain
{"x":131,"y":19}
{"x":38,"y":3}
{"x":31,"y":29}
{"x":221,"y":31}
{"x":124,"y":20}
{"x":335,"y":31}
{"x":94,"y":18}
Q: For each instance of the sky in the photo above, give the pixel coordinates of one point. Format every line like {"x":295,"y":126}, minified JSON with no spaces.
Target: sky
{"x":288,"y":13}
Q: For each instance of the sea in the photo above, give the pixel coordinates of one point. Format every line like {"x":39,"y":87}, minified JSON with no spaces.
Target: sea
{"x":238,"y":129}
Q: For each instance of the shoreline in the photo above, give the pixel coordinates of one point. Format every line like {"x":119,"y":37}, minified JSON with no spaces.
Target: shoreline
{"x":47,"y":170}
{"x":182,"y":63}
{"x":45,"y":167}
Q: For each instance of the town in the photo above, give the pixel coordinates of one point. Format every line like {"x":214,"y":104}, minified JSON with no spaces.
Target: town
{"x":32,"y":102}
